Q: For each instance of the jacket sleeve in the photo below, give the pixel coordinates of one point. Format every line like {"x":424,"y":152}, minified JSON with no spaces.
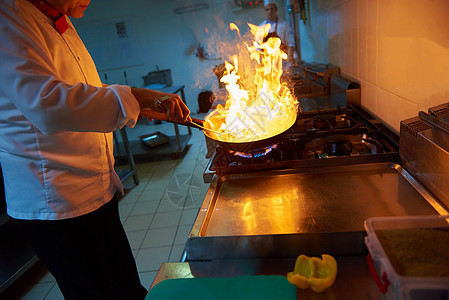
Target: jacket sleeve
{"x":30,"y":80}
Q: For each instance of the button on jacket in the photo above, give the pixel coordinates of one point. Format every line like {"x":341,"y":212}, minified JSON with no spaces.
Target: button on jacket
{"x":56,"y":119}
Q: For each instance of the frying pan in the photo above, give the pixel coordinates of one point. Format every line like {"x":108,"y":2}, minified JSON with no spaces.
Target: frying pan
{"x":244,"y":147}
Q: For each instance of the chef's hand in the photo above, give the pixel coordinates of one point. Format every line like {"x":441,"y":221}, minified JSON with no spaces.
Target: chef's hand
{"x":169,"y":104}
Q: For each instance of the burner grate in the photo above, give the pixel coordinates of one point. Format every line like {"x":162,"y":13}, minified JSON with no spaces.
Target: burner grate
{"x":343,"y":132}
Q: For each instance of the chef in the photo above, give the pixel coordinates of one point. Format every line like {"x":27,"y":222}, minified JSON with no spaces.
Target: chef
{"x":272,"y":26}
{"x":56,"y":148}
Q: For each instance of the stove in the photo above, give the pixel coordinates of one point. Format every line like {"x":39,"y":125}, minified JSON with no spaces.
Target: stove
{"x":340,"y":133}
{"x":312,"y":191}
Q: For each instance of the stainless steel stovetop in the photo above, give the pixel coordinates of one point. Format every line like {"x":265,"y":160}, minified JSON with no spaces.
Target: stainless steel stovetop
{"x":299,"y":198}
{"x":326,"y":134}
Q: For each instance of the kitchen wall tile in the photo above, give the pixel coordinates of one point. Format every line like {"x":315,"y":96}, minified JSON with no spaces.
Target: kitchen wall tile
{"x":188,"y":163}
{"x":125,"y":209}
{"x":151,"y":194}
{"x":201,"y":165}
{"x":147,"y":278}
{"x":402,"y":51}
{"x":140,"y":222}
{"x":333,"y":28}
{"x":159,"y":181}
{"x":131,"y":197}
{"x":176,"y":254}
{"x":384,"y":98}
{"x":321,"y":25}
{"x":135,"y":238}
{"x":195,"y":197}
{"x":31,"y":292}
{"x":143,"y":208}
{"x":420,"y":28}
{"x":195,"y":146}
{"x":146,"y":170}
{"x":399,"y":58}
{"x":361,"y":25}
{"x":159,"y":237}
{"x":48,"y":277}
{"x":142,"y":182}
{"x":182,"y":234}
{"x":171,"y":203}
{"x":167,"y":166}
{"x":185,"y":189}
{"x":321,"y":5}
{"x":401,"y":109}
{"x":371,"y":98}
{"x":150,"y":259}
{"x":198,"y":172}
{"x":433,"y":79}
{"x":54,"y":294}
{"x":166,"y":219}
{"x":40,"y":274}
{"x":354,"y":44}
{"x":371,"y":42}
{"x":433,"y":100}
{"x":334,"y":38}
{"x":363,"y":93}
{"x":188,"y":216}
{"x":345,"y":63}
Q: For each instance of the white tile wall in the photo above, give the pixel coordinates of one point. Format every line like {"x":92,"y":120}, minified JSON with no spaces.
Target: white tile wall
{"x":398,"y":50}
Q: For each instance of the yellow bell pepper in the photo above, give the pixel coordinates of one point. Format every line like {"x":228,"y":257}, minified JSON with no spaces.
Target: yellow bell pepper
{"x":313,"y":272}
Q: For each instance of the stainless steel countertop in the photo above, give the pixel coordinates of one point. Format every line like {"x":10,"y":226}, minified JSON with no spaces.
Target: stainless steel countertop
{"x":310,"y":210}
{"x":258,"y":223}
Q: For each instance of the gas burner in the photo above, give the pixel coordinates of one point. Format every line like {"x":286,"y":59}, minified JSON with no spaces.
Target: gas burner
{"x":350,"y":132}
{"x":326,"y":124}
{"x":255,"y":153}
{"x":225,"y":159}
{"x":337,"y":145}
{"x":323,"y":122}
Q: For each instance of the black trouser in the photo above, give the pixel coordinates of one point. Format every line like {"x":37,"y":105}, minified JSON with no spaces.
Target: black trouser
{"x":89,"y":256}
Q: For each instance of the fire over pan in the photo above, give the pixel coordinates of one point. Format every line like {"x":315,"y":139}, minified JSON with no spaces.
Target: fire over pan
{"x":244,"y":147}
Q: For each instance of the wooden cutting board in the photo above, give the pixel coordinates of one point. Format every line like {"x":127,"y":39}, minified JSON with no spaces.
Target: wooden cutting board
{"x":235,"y":288}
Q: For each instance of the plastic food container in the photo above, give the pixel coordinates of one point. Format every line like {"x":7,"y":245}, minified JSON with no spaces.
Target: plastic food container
{"x":389,"y":282}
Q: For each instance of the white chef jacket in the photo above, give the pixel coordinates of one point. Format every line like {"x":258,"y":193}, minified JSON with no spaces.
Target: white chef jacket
{"x":283,"y":31}
{"x":56,"y":119}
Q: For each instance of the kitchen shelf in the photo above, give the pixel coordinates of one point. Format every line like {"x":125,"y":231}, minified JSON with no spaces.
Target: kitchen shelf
{"x":175,"y":147}
{"x":124,"y":174}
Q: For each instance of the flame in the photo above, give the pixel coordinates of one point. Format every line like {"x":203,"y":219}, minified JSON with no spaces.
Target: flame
{"x":256,"y":154}
{"x":265,"y":110}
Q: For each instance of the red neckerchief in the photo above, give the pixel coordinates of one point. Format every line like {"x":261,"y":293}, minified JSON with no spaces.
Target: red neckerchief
{"x":48,"y":10}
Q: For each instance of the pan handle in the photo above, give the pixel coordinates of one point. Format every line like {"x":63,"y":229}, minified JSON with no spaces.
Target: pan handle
{"x":195,"y":123}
